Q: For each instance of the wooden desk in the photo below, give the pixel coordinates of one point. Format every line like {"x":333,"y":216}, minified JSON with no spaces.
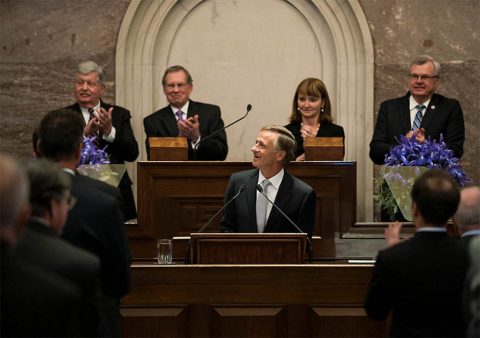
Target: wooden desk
{"x":248,"y":301}
{"x":177,"y":198}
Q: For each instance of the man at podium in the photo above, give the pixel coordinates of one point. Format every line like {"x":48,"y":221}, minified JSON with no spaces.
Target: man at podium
{"x":186,"y":118}
{"x":251,"y":194}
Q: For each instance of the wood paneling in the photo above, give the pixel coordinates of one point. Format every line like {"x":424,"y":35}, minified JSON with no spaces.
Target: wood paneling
{"x":249,"y":301}
{"x":177,"y":198}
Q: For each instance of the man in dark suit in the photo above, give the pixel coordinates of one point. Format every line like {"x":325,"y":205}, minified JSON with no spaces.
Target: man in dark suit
{"x":467,"y":217}
{"x":34,"y":302}
{"x":421,"y":280}
{"x":421,"y":111}
{"x":110,"y":123}
{"x":40,"y":243}
{"x":250,"y":211}
{"x":95,"y":223}
{"x":186,"y":118}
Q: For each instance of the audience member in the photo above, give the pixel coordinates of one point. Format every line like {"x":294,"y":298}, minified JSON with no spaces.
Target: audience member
{"x":250,"y":211}
{"x":420,"y":280}
{"x":186,"y":118}
{"x":472,"y":292}
{"x":95,"y":223}
{"x":420,"y":111}
{"x":109,"y":122}
{"x":311,"y":115}
{"x":467,"y":217}
{"x":33,"y":302}
{"x":40,"y":243}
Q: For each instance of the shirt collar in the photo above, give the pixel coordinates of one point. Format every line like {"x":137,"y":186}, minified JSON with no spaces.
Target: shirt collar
{"x":85,"y":110}
{"x":275,"y":180}
{"x":475,"y":232}
{"x":414,"y":104}
{"x":432,"y":229}
{"x":184,"y":109}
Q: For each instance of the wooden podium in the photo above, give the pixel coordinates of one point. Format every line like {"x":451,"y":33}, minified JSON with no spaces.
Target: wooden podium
{"x":324,"y":149}
{"x":168,"y":148}
{"x":248,"y":248}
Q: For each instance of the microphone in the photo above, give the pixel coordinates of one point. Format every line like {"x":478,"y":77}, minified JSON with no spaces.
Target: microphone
{"x":187,"y":249}
{"x":216,"y":132}
{"x":260,"y":190}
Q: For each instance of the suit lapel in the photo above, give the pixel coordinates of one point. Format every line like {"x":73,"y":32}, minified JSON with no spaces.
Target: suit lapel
{"x":168,"y":121}
{"x":404,"y":114}
{"x":283,"y":196}
{"x":430,"y":112}
{"x":251,"y":196}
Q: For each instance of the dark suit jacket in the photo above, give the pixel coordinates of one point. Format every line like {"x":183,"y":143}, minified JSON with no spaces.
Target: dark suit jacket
{"x":443,"y":116}
{"x":421,"y":282}
{"x":95,"y":224}
{"x":39,"y":245}
{"x":294,"y":197}
{"x":123,"y":149}
{"x":33,"y":301}
{"x":163,"y":123}
{"x":326,"y":130}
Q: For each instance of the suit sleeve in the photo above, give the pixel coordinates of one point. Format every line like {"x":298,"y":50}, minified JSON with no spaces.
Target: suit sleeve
{"x":307,"y":213}
{"x":377,"y":304}
{"x":379,"y":146}
{"x":228,"y":223}
{"x":125,"y":146}
{"x":455,"y":130}
{"x":116,"y":255}
{"x":215,"y":148}
{"x":147,"y":125}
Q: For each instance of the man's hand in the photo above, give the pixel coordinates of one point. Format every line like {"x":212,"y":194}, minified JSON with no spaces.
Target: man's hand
{"x":392,"y":233}
{"x":91,"y":127}
{"x":190,"y":128}
{"x":420,"y":136}
{"x":104,"y":118}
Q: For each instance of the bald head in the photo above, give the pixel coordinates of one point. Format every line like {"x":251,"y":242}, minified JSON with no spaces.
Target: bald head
{"x":13,"y":195}
{"x":467,"y":216}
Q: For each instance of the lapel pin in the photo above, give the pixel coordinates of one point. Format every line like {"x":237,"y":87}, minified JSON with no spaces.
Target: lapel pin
{"x":433,"y":107}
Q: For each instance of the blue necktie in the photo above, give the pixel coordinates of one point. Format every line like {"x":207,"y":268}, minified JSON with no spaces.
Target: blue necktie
{"x":418,"y":117}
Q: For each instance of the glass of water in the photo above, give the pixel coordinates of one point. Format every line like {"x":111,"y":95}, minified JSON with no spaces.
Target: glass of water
{"x":164,"y":251}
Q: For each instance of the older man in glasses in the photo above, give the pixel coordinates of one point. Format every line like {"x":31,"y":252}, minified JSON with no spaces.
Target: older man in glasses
{"x":186,"y":118}
{"x":420,"y":112}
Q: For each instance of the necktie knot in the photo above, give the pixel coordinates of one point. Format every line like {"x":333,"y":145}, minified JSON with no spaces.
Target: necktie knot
{"x":420,"y":106}
{"x":179,"y":114}
{"x":91,"y":112}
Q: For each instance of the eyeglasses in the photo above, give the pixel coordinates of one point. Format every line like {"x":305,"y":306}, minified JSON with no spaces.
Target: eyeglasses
{"x":171,"y":86}
{"x":80,"y":83}
{"x":71,"y":201}
{"x":422,"y":77}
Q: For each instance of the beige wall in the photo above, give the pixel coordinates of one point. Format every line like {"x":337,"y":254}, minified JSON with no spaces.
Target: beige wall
{"x":41,"y":42}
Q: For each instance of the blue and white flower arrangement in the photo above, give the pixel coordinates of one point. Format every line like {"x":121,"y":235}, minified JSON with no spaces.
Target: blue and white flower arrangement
{"x":429,"y":154}
{"x":92,"y":154}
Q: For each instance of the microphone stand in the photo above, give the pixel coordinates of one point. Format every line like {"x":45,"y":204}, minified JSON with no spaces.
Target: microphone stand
{"x":216,"y":132}
{"x":187,"y":248}
{"x":260,"y":190}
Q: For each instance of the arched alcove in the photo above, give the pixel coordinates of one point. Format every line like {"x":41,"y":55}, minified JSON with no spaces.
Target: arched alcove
{"x":255,"y":52}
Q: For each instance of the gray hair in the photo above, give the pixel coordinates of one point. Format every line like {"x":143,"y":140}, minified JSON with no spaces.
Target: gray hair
{"x":87,"y":67}
{"x":423,"y":59}
{"x":285,"y":142}
{"x":47,"y":181}
{"x":468,"y":212}
{"x":14,"y":190}
{"x":174,"y":69}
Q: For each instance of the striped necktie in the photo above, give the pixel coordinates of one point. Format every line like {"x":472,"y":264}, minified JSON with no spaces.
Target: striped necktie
{"x":418,"y":117}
